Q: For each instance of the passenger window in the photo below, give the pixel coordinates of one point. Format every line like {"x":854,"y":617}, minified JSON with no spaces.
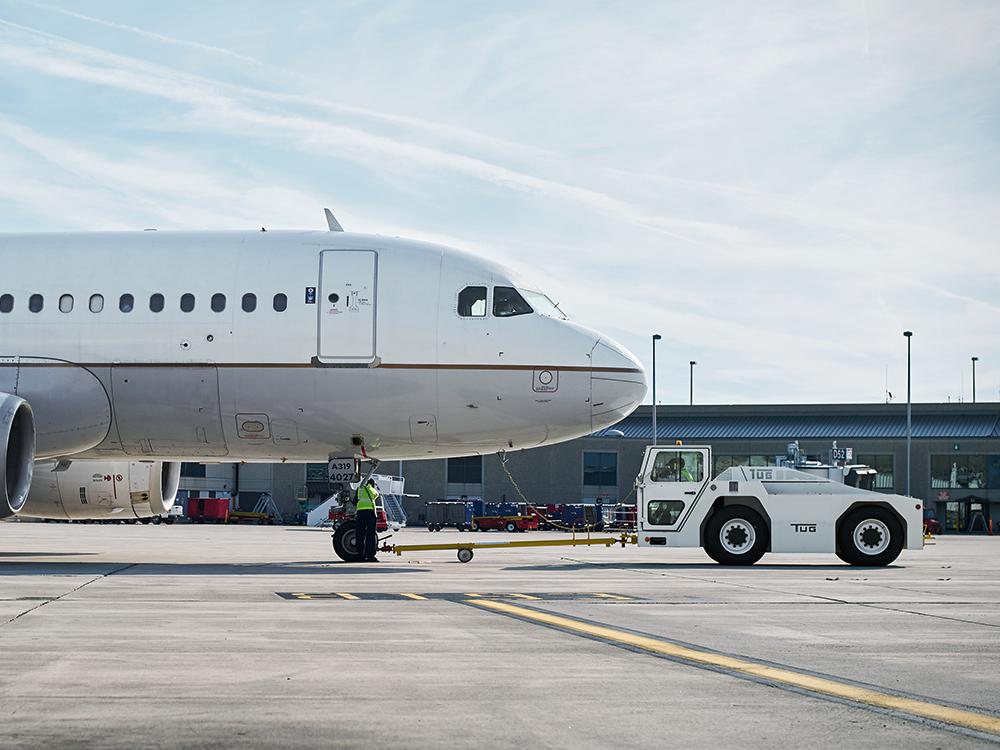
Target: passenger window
{"x":678,"y":466}
{"x":280,"y":302}
{"x":663,"y":512}
{"x":472,"y":302}
{"x":126,"y":302}
{"x":66,"y":303}
{"x":156,"y":303}
{"x":218,"y":302}
{"x":507,"y":303}
{"x":6,"y":303}
{"x":96,"y":303}
{"x":187,"y":302}
{"x":249,"y":302}
{"x":36,"y":302}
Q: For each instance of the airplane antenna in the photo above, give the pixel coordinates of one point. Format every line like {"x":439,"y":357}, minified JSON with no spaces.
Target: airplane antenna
{"x":331,"y":221}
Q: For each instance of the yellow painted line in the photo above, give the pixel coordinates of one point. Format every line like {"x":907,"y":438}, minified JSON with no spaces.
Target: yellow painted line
{"x":524,"y":596}
{"x":613,"y":596}
{"x":822,"y":685}
{"x":345,"y":596}
{"x":475,"y":596}
{"x":415,"y":596}
{"x":302,"y":596}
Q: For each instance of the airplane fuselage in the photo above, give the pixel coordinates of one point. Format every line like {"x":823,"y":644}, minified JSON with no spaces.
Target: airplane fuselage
{"x":290,"y":346}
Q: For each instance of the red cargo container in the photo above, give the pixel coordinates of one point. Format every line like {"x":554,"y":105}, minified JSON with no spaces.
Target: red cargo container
{"x":215,"y":509}
{"x":194,"y":509}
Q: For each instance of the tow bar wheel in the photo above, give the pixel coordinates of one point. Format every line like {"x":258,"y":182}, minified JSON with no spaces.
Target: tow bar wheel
{"x":464,"y":554}
{"x":736,"y":535}
{"x":345,"y":542}
{"x":869,"y":536}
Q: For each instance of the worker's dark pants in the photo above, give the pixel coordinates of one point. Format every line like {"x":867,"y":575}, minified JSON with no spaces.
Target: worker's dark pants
{"x":365,"y":534}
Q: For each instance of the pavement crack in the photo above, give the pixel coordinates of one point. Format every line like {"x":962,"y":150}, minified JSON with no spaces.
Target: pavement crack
{"x":71,"y":591}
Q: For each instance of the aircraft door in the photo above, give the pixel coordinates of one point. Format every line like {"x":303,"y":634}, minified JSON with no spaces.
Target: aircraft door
{"x":347,"y":306}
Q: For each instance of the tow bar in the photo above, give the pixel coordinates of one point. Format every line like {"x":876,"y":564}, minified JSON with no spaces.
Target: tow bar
{"x":465,"y":551}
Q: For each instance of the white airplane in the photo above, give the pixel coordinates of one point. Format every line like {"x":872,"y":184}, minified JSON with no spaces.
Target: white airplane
{"x":125,"y":353}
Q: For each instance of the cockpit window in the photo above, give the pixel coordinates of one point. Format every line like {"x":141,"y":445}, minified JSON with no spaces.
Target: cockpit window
{"x":542,"y":304}
{"x":472,"y":302}
{"x":508,"y":302}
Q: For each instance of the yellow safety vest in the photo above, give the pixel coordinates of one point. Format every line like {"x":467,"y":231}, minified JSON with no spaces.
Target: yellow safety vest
{"x":366,"y":497}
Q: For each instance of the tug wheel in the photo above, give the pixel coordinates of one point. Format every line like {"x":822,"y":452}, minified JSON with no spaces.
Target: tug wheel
{"x":345,"y":542}
{"x":736,"y":535}
{"x":464,"y":555}
{"x":869,"y":537}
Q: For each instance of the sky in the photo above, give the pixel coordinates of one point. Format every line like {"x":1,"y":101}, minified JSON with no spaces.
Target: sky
{"x":779,"y":189}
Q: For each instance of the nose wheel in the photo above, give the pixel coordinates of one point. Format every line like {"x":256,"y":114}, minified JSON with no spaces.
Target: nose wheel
{"x":464,"y":554}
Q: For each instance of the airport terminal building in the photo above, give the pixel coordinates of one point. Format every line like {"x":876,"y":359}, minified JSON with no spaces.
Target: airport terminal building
{"x":954,"y":468}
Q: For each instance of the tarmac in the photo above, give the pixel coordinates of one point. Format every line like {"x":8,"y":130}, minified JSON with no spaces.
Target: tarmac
{"x":222,"y":636}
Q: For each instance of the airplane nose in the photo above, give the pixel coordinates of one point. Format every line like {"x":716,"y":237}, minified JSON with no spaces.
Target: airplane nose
{"x":617,"y":383}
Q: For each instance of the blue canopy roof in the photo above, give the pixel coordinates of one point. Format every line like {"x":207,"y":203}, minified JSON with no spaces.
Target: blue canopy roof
{"x":828,"y":427}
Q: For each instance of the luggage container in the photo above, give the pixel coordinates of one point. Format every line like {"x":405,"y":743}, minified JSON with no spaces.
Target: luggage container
{"x":453,"y":514}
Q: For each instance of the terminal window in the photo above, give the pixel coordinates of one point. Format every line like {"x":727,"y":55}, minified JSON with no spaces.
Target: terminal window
{"x":883,"y":464}
{"x":955,"y":471}
{"x":465,"y":470}
{"x":725,"y":461}
{"x":600,"y":469}
{"x":193,"y":470}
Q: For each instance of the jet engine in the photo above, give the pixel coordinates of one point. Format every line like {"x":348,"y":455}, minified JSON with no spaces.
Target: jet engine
{"x":17,"y":451}
{"x":96,"y":490}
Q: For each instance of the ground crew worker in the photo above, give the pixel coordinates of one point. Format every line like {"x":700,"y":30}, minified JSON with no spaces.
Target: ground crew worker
{"x":365,"y":537}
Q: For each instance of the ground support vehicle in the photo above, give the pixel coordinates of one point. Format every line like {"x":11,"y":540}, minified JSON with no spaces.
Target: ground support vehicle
{"x":580,"y":516}
{"x":511,"y":524}
{"x":620,"y":517}
{"x":457,"y":514}
{"x":208,"y":509}
{"x":749,"y":510}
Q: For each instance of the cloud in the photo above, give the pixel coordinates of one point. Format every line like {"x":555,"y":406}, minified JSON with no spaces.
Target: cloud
{"x":777,"y":190}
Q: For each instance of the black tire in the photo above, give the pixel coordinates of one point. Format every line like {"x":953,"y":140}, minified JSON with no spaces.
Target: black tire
{"x":345,"y":543}
{"x":510,"y":527}
{"x":869,"y":536}
{"x":465,"y":555}
{"x":168,"y":520}
{"x":460,"y":527}
{"x":475,"y":526}
{"x":736,"y":535}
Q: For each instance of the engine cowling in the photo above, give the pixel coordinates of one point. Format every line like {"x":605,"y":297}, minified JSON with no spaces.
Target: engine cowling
{"x":17,"y":451}
{"x":96,"y":490}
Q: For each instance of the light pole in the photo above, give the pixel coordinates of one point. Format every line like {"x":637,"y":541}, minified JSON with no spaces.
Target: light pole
{"x":656,"y":337}
{"x":691,"y":365}
{"x":909,"y":414}
{"x":974,"y":360}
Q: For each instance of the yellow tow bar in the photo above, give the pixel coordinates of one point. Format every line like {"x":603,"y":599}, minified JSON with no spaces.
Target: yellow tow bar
{"x":465,"y":549}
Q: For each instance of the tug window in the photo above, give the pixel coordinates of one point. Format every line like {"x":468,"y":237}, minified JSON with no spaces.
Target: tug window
{"x":125,"y":303}
{"x":66,"y":303}
{"x":36,"y":302}
{"x":507,"y":303}
{"x":156,"y":303}
{"x":6,"y":303}
{"x":218,"y":302}
{"x":249,"y":302}
{"x":96,"y":303}
{"x":678,"y":466}
{"x":187,"y":302}
{"x":472,"y":302}
{"x":280,"y":302}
